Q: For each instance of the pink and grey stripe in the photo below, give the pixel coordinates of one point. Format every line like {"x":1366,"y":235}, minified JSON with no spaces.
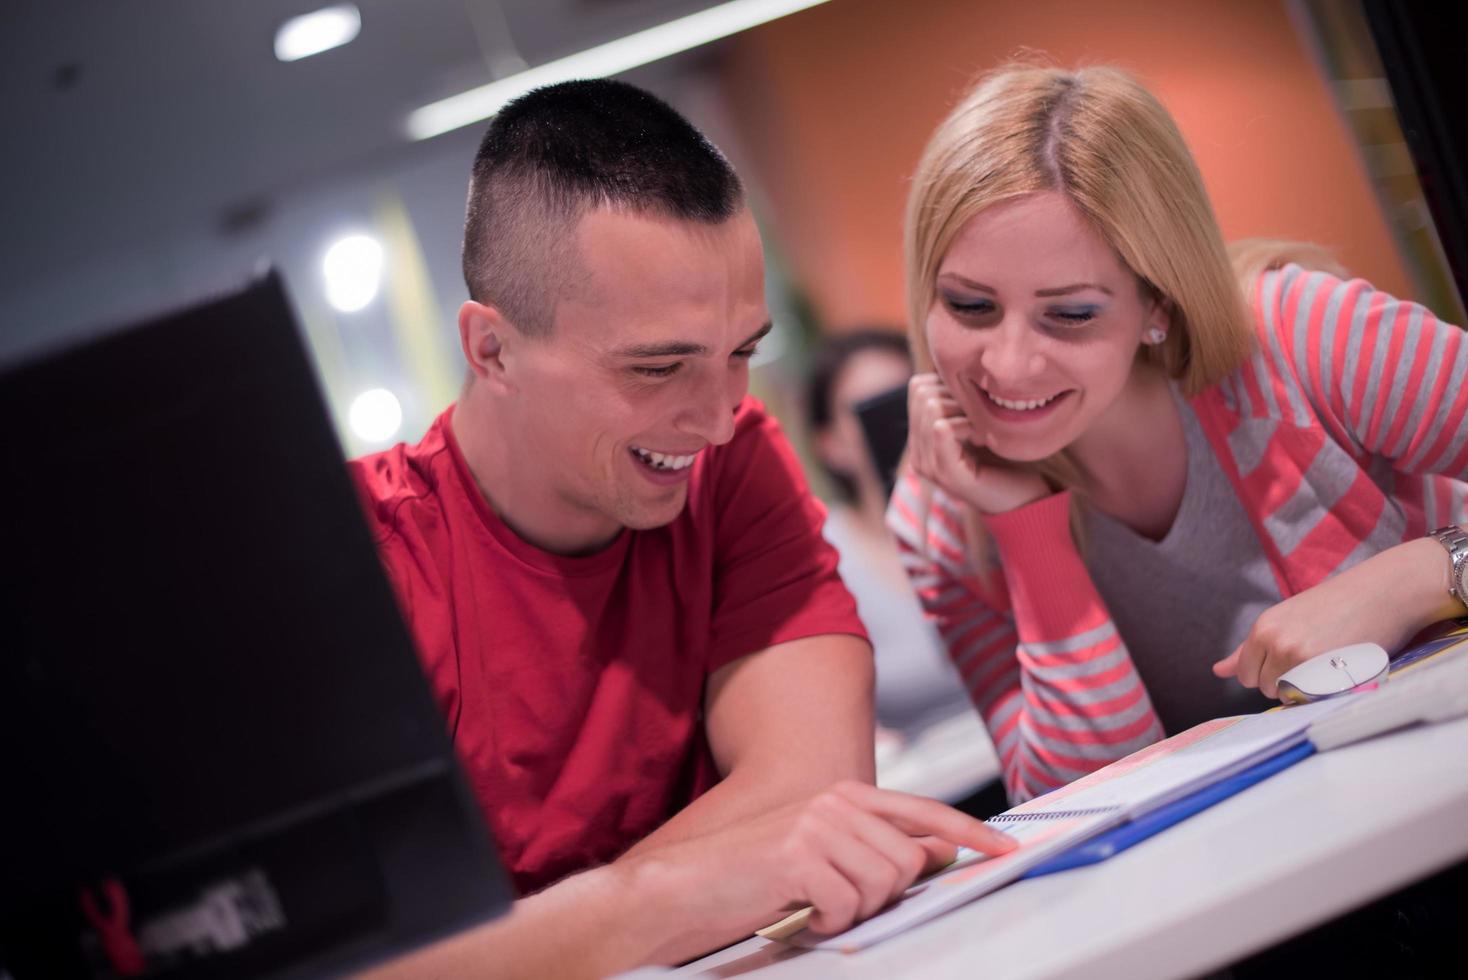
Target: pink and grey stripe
{"x":1345,"y":433}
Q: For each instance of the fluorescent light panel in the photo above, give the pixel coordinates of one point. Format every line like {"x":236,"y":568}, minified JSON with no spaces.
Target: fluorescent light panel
{"x":611,"y":58}
{"x":321,"y":30}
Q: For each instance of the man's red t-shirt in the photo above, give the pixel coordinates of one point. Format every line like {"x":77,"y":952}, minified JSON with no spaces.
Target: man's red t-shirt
{"x":573,"y":687}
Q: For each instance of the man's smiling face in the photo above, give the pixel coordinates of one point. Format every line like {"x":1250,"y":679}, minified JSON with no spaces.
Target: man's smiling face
{"x":645,"y":363}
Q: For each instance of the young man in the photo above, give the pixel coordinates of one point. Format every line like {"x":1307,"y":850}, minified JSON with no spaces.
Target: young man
{"x":613,"y":568}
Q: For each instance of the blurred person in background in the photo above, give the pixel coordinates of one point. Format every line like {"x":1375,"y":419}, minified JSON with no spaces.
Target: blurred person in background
{"x":1143,"y":481}
{"x":918,"y":689}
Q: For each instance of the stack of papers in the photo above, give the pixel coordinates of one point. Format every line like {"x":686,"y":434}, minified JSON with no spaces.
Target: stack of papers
{"x":1125,"y":790}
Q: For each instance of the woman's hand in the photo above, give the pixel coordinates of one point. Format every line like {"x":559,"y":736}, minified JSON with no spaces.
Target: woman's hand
{"x":940,"y":448}
{"x":1386,"y":600}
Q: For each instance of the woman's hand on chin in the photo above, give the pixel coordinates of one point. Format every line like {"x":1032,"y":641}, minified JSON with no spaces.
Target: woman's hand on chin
{"x":940,"y":448}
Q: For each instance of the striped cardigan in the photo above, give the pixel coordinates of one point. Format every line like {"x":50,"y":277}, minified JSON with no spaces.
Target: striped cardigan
{"x":1344,"y":434}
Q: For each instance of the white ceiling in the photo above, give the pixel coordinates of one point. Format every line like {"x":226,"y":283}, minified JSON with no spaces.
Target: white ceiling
{"x":127,"y":122}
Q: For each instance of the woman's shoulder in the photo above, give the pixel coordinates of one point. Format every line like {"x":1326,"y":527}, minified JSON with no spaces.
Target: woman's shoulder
{"x":1278,"y":290}
{"x":1296,"y":303}
{"x":1299,"y":315}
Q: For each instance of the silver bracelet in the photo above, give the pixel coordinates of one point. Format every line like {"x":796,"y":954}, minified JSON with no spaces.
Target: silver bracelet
{"x":1455,"y":539}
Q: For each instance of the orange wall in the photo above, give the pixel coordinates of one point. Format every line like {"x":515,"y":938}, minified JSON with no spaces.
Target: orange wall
{"x":835,"y":104}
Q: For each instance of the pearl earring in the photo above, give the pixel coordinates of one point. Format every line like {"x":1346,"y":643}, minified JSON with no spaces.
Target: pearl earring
{"x":1156,"y":335}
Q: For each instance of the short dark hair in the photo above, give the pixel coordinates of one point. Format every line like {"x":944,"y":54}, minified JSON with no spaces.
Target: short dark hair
{"x":560,"y":151}
{"x":825,"y":371}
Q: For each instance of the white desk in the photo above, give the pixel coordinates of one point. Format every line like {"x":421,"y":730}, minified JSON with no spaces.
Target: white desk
{"x":1323,"y":837}
{"x":948,"y":761}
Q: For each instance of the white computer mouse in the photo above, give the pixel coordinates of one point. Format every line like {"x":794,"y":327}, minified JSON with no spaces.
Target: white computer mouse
{"x":1338,"y":671}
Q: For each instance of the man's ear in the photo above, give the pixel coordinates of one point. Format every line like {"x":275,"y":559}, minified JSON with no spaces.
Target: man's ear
{"x":484,"y":335}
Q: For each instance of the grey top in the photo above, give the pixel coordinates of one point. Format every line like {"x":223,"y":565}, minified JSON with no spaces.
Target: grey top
{"x":1188,"y":600}
{"x":917,"y":685}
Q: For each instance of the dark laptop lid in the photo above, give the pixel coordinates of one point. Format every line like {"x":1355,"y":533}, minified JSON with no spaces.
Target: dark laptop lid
{"x":202,"y":655}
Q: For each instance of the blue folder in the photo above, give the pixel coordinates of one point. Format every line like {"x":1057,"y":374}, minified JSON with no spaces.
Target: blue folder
{"x":1118,"y":839}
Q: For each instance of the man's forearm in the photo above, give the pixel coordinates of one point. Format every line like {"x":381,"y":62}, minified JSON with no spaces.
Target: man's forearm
{"x":748,"y":792}
{"x":783,"y":724}
{"x":602,"y":921}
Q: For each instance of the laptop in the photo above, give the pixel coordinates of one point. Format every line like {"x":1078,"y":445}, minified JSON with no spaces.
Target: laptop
{"x":222,"y":757}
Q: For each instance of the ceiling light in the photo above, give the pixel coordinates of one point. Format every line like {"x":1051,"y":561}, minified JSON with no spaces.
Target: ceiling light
{"x":324,"y":29}
{"x":352,"y":268}
{"x":375,"y":415}
{"x":611,"y":58}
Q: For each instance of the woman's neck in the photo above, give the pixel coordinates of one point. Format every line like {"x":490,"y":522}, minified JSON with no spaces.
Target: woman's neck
{"x":1133,"y":460}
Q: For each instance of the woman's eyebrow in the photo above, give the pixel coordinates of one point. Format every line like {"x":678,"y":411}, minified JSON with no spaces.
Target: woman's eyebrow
{"x":1073,"y":288}
{"x":1056,"y":291}
{"x":971,"y":283}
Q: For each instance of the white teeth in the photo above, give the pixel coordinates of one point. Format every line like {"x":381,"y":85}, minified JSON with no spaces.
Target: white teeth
{"x":664,"y":461}
{"x":1021,"y":406}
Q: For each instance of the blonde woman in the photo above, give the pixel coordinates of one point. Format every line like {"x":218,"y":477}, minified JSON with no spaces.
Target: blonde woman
{"x":1136,"y":490}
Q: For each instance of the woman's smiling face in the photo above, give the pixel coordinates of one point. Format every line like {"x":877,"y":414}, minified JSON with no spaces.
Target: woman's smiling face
{"x":1035,"y":325}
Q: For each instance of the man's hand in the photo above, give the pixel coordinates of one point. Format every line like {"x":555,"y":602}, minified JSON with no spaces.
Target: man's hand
{"x":1385,"y":600}
{"x":846,"y":852}
{"x":941,"y":441}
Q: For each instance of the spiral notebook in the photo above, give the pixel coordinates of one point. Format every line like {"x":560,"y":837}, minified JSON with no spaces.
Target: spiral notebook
{"x":1144,"y":783}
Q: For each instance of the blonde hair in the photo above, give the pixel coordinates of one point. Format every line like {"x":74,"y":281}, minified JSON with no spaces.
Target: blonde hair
{"x":1100,"y":138}
{"x":1097,"y":136}
{"x":1252,"y":257}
